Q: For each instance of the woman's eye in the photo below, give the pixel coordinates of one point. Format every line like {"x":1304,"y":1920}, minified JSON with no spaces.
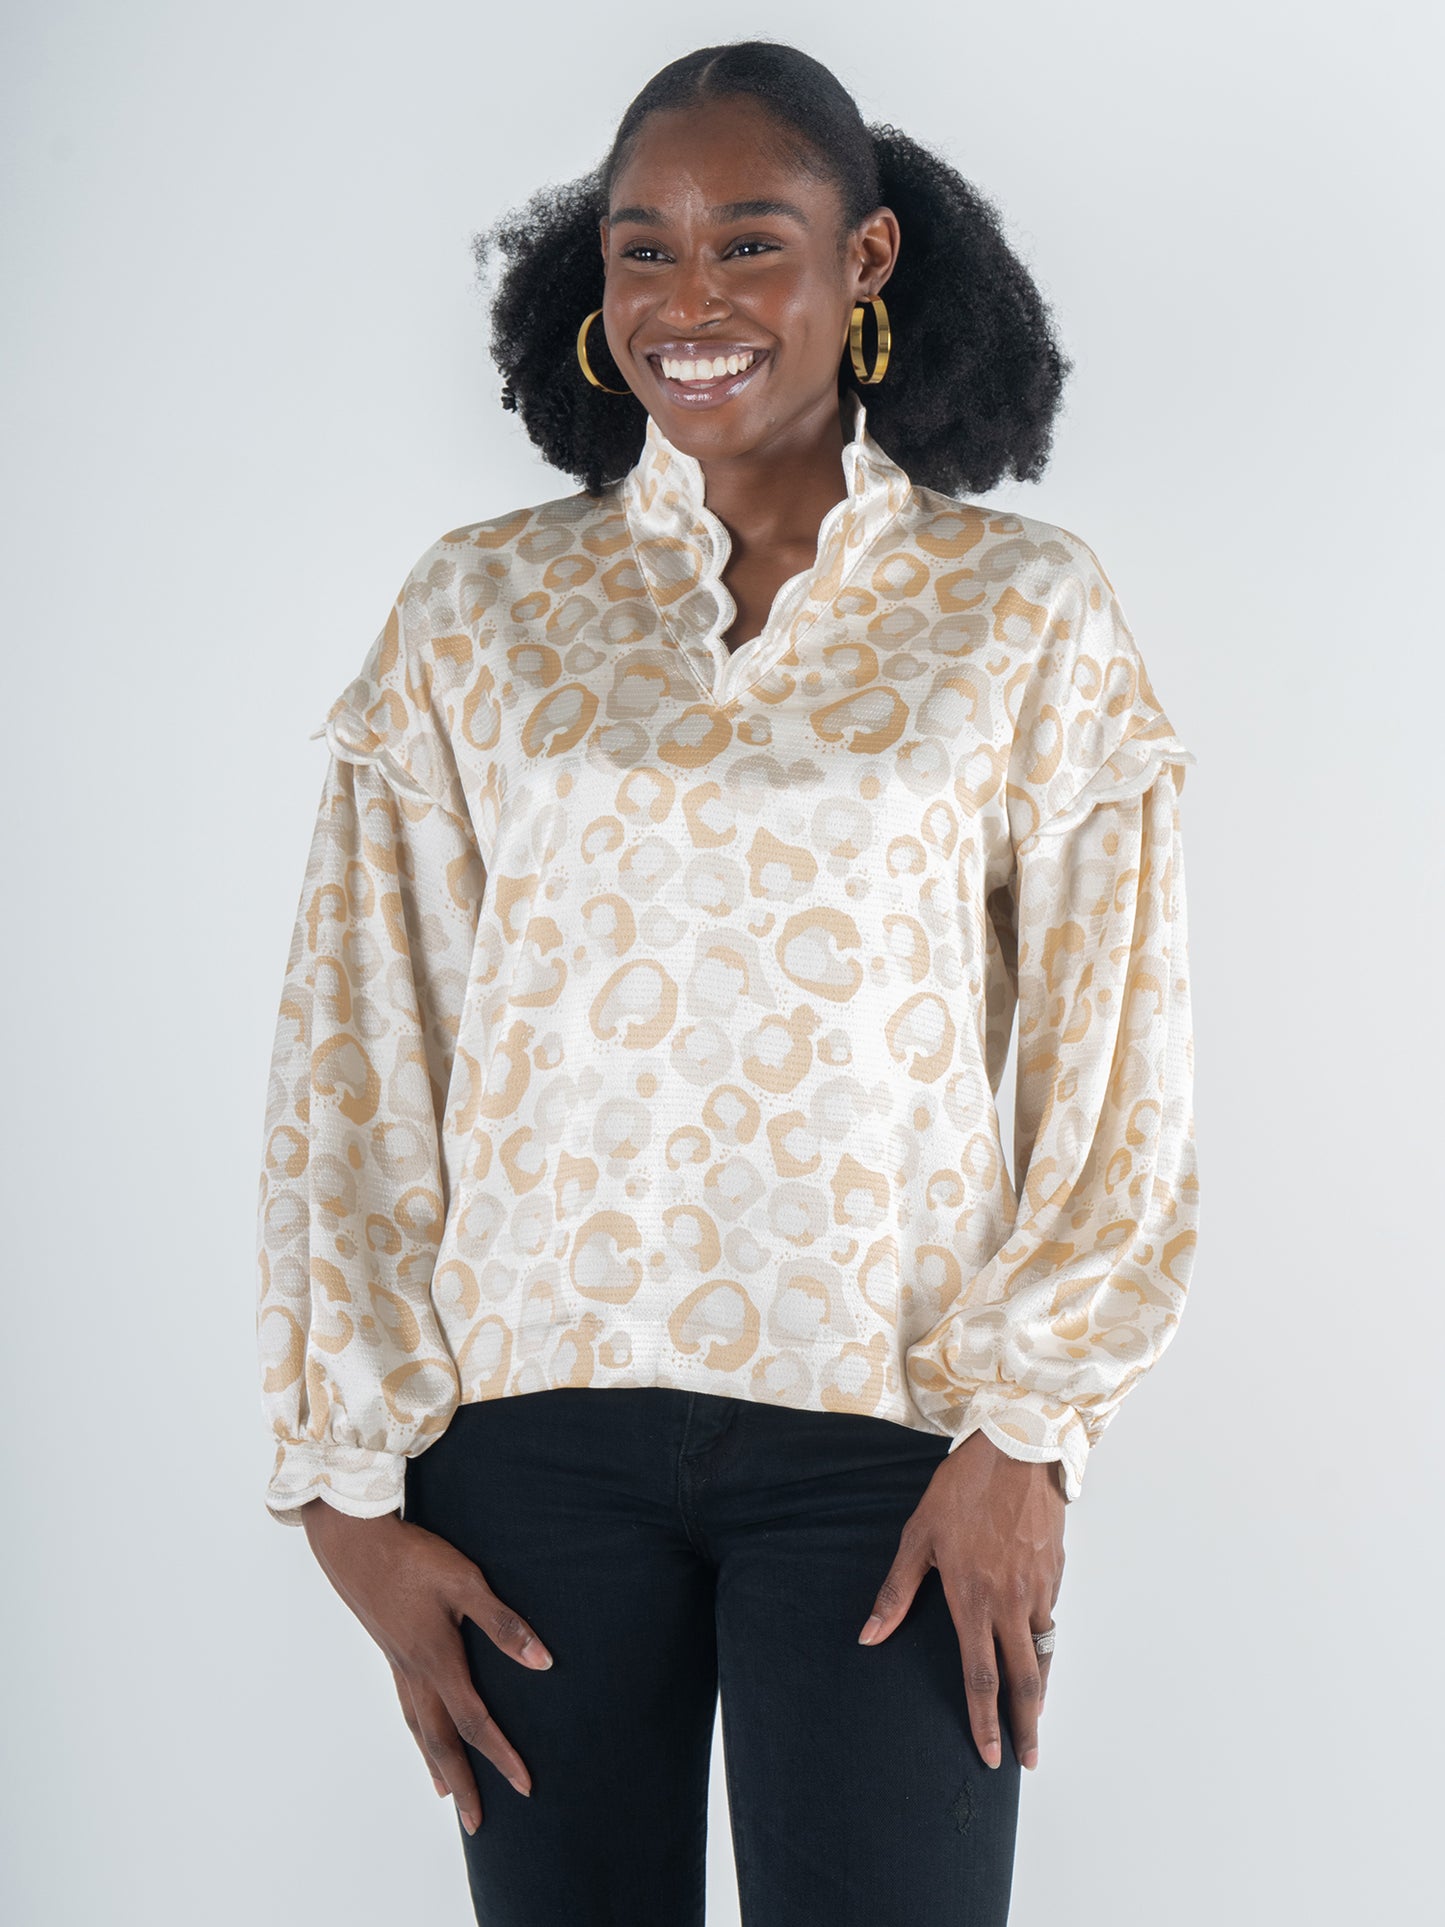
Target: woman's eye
{"x":641,"y":251}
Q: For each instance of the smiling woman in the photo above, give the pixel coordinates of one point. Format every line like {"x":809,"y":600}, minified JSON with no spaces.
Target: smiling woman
{"x":687,"y":848}
{"x":973,"y":398}
{"x":772,"y":264}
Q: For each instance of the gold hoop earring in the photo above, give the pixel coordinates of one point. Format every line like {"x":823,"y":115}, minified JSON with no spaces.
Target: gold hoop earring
{"x":855,"y":342}
{"x":582,"y":357}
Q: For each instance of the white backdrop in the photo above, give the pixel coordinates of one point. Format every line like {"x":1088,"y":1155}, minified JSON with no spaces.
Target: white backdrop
{"x":246,"y":383}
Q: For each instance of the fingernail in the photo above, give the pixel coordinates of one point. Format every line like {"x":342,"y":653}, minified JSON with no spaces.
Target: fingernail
{"x":525,"y":1791}
{"x":869,"y":1632}
{"x":466,"y":1819}
{"x":993,"y":1753}
{"x":441,"y":1786}
{"x":539,"y":1658}
{"x":1031,"y":1758}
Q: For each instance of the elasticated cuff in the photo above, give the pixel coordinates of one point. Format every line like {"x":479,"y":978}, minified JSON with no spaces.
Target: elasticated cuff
{"x":1027,"y":1426}
{"x":365,"y":1485}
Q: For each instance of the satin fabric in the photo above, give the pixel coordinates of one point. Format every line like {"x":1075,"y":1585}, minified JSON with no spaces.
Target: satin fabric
{"x":648,"y":1002}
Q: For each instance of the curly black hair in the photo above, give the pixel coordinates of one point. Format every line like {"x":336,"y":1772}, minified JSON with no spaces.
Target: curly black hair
{"x":976,"y":375}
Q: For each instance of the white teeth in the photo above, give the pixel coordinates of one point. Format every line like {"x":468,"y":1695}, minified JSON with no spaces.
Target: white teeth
{"x":708,"y":369}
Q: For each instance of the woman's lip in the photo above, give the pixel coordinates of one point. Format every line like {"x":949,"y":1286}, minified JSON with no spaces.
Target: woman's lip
{"x":705,"y":394}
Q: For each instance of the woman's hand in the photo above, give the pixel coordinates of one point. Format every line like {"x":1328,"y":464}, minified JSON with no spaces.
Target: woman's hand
{"x":994,"y":1527}
{"x":411,"y":1590}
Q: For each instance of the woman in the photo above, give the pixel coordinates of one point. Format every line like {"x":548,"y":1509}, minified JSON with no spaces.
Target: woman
{"x":685,"y":847}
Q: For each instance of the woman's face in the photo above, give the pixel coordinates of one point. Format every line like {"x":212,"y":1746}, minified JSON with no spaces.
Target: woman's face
{"x":716,"y":249}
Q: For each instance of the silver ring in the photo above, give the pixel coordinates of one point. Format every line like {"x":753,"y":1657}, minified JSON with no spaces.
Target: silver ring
{"x":1044,"y":1642}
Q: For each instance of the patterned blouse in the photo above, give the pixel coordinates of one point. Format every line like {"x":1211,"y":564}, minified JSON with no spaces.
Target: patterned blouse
{"x":647,"y":1003}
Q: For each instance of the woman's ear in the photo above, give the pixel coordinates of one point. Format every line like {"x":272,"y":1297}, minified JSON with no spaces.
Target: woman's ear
{"x":879,"y":239}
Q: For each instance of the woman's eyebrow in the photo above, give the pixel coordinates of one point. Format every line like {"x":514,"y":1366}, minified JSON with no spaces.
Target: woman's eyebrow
{"x":730,"y":211}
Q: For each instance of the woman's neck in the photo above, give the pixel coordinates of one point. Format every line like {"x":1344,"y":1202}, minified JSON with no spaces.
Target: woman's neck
{"x":775,"y":497}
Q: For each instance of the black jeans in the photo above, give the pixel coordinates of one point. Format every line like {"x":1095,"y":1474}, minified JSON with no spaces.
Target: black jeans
{"x":667,"y":1546}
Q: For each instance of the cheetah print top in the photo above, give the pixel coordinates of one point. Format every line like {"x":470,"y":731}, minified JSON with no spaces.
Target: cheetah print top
{"x":647,"y":1004}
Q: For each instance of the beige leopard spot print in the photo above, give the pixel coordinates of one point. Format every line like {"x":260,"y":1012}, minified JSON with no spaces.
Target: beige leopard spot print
{"x":647,"y":1002}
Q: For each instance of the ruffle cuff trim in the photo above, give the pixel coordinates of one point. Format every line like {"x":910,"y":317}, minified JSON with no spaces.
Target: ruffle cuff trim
{"x":364,"y":1484}
{"x":1025,"y":1425}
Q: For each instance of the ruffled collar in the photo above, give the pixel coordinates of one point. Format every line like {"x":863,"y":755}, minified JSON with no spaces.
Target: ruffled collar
{"x":682,"y":548}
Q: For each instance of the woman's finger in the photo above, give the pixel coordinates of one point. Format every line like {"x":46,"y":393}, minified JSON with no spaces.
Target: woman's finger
{"x":470,"y":1716}
{"x":973,"y":1623}
{"x":1025,"y":1684}
{"x":897,"y":1592}
{"x":444,"y":1745}
{"x":506,"y":1629}
{"x":1046,"y":1660}
{"x":408,"y":1713}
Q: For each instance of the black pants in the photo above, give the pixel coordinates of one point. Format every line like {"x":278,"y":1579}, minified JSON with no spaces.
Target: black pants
{"x":667,"y":1546}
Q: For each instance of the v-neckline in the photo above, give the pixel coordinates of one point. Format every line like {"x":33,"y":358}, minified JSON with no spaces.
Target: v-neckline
{"x":682,"y":548}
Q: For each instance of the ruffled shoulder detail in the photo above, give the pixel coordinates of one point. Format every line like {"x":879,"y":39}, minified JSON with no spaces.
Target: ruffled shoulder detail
{"x":1135,"y":766}
{"x":385,"y":716}
{"x":1090,"y":728}
{"x":351,"y":739}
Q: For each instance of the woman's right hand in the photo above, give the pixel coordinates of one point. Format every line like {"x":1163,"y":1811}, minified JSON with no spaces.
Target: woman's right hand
{"x":411,"y":1589}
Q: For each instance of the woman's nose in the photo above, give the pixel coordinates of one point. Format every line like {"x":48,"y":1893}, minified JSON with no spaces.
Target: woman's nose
{"x":692,"y":297}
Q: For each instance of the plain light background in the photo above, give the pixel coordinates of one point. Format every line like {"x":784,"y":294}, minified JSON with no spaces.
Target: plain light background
{"x":246,"y":384}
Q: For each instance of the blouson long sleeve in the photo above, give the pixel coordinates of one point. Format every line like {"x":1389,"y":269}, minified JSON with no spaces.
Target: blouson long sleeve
{"x":353,"y":1198}
{"x":1087,"y":1291}
{"x":649,"y":999}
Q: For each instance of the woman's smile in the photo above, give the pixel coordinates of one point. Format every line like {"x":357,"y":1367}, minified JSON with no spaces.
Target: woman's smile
{"x":721,"y":252}
{"x":708,"y":376}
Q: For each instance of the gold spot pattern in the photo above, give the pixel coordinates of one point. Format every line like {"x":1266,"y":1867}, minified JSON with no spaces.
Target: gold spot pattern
{"x":647,"y":1002}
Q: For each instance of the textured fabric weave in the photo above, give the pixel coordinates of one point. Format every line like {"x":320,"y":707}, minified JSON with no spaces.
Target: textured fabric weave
{"x":648,"y":1003}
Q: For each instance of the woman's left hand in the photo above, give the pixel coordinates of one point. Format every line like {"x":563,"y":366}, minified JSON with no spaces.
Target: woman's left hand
{"x":994,"y":1527}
